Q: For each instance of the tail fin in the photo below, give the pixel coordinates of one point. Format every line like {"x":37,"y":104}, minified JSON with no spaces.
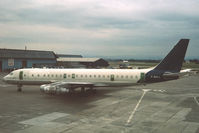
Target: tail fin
{"x":173,"y":61}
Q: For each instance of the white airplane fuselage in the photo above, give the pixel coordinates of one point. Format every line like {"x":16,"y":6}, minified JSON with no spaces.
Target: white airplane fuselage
{"x":105,"y":77}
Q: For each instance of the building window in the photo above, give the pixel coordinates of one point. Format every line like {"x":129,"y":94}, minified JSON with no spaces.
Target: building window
{"x":122,"y":76}
{"x":38,"y":75}
{"x":126,"y":77}
{"x":99,"y":76}
{"x":32,"y":75}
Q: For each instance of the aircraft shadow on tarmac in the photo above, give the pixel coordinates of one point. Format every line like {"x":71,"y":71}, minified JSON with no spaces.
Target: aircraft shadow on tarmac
{"x":78,"y":97}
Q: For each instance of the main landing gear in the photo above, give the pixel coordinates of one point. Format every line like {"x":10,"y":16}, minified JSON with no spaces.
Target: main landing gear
{"x":83,"y":90}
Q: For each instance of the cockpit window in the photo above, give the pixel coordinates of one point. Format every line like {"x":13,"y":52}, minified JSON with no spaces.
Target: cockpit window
{"x":11,"y":73}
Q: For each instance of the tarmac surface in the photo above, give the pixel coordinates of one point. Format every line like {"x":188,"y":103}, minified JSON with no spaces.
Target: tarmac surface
{"x":166,"y":107}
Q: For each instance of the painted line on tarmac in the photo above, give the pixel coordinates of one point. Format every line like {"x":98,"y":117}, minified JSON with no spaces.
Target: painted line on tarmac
{"x":136,"y":107}
{"x":195,"y":98}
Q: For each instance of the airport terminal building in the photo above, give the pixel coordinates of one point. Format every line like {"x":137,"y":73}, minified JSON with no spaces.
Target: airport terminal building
{"x":11,"y":59}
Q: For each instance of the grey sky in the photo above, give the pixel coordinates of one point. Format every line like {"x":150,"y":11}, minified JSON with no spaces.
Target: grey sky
{"x":113,"y":28}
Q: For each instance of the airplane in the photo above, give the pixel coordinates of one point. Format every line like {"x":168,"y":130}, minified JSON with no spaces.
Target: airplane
{"x":67,"y":80}
{"x":186,"y":72}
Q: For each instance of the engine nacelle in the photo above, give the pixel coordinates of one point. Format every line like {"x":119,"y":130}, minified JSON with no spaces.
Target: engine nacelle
{"x":53,"y":89}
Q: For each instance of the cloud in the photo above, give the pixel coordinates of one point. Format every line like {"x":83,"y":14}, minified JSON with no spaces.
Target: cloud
{"x":98,"y":27}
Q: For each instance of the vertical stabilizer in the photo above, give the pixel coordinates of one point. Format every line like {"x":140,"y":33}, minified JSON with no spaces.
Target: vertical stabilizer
{"x":173,"y":61}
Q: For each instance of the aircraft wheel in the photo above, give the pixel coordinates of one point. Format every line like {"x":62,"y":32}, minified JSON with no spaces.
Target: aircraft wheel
{"x":19,"y":88}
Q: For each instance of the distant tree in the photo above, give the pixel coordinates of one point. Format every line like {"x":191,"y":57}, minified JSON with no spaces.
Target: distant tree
{"x":194,"y":61}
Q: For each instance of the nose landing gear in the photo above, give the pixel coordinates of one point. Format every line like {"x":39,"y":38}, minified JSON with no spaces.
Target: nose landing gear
{"x":19,"y":87}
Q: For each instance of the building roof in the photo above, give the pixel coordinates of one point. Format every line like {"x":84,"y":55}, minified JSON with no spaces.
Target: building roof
{"x":26,"y":54}
{"x":68,"y":56}
{"x":78,"y":59}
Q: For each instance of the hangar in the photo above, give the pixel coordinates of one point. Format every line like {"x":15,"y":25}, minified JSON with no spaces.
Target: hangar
{"x":68,"y":56}
{"x":14,"y":59}
{"x":82,"y":62}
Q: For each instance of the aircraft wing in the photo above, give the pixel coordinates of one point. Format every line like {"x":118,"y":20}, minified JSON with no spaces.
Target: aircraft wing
{"x":62,"y":86}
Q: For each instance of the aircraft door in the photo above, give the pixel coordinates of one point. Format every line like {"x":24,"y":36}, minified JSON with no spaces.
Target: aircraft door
{"x":64,"y":76}
{"x":112,"y":77}
{"x":142,"y":76}
{"x":21,"y":75}
{"x":73,"y":76}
